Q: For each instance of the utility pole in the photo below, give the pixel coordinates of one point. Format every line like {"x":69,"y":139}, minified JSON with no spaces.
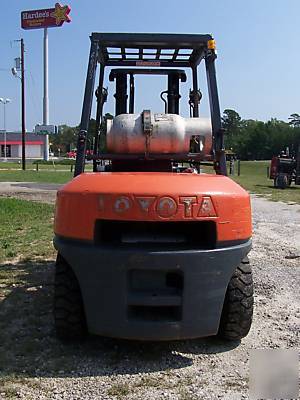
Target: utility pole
{"x":23,"y":103}
{"x":20,"y":65}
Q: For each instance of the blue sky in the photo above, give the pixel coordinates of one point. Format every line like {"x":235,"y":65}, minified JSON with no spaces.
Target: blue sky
{"x":258,"y":54}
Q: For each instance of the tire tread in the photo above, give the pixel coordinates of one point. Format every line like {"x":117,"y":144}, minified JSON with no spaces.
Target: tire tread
{"x":69,"y":316}
{"x":237,"y":310}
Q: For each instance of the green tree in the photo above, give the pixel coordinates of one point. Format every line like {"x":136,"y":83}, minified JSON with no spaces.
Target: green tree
{"x":65,"y":139}
{"x":231,"y":121}
{"x":294,"y":120}
{"x":258,"y":140}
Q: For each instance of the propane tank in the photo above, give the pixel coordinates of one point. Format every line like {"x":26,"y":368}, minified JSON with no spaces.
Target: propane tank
{"x":169,"y":133}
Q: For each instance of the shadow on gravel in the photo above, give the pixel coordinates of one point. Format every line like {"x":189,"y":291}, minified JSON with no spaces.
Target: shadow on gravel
{"x":29,"y":348}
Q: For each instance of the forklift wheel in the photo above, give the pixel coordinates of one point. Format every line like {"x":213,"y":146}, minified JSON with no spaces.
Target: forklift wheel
{"x":69,"y":317}
{"x":238,"y":305}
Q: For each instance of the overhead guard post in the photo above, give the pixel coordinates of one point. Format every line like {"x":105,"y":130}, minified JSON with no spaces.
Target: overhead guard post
{"x":99,"y":112}
{"x":86,"y":111}
{"x":217,"y":131}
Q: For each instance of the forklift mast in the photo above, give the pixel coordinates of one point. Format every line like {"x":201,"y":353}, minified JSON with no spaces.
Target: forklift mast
{"x":150,"y":54}
{"x":121,"y":78}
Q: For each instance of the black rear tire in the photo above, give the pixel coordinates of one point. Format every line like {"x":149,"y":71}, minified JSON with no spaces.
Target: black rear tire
{"x":237,"y":310}
{"x":69,"y":316}
{"x":281,"y":181}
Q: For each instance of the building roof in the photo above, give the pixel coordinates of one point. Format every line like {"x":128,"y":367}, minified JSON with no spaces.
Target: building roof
{"x":17,"y":142}
{"x":16,"y":138}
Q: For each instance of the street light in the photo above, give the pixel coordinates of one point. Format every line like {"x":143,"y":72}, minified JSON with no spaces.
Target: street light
{"x":4,"y":102}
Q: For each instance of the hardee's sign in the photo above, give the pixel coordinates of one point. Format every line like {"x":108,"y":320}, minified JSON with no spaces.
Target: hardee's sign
{"x":46,"y":18}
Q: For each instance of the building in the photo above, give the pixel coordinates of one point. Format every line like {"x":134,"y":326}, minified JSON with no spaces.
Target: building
{"x":34,"y":145}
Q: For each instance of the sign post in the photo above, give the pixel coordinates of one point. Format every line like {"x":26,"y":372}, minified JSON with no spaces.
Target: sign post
{"x":46,"y":100}
{"x":23,"y":103}
{"x":45,"y":18}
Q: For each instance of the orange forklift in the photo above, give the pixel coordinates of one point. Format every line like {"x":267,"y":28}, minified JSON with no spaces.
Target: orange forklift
{"x":149,"y":247}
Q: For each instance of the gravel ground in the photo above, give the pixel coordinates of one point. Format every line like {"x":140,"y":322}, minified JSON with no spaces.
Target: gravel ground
{"x":34,"y":365}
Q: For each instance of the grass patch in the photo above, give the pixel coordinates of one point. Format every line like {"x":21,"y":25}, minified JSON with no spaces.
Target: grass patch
{"x":41,"y":163}
{"x":26,"y":229}
{"x":119,"y":390}
{"x":65,"y":161}
{"x":10,"y":165}
{"x":44,"y":176}
{"x":166,"y":382}
{"x":48,"y":172}
{"x":55,"y":165}
{"x":13,"y":384}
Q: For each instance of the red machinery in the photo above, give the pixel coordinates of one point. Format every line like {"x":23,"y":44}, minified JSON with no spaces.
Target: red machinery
{"x":284,"y":170}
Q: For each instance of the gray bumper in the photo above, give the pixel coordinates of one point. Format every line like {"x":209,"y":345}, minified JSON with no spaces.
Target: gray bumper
{"x":152,"y":295}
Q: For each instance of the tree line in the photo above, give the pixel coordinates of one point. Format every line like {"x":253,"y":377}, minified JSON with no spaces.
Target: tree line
{"x":66,"y":138}
{"x":249,"y":139}
{"x":257,"y":140}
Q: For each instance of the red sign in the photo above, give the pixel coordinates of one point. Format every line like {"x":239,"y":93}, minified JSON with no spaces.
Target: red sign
{"x":47,"y":18}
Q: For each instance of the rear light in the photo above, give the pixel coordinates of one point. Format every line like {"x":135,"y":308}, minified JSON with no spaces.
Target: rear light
{"x":211,"y":44}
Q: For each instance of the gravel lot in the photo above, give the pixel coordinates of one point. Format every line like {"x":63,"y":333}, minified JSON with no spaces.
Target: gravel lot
{"x":34,"y":365}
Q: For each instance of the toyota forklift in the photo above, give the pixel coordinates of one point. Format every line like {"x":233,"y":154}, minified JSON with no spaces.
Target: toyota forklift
{"x":150,"y":247}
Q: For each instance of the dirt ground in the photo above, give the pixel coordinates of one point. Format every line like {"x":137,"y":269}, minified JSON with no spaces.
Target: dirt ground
{"x":34,"y":365}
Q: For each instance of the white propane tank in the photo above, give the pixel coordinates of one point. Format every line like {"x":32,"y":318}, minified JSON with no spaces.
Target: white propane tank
{"x":170,"y":133}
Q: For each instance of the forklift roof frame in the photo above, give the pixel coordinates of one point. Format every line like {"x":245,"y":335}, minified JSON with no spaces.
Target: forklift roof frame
{"x":151,"y":50}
